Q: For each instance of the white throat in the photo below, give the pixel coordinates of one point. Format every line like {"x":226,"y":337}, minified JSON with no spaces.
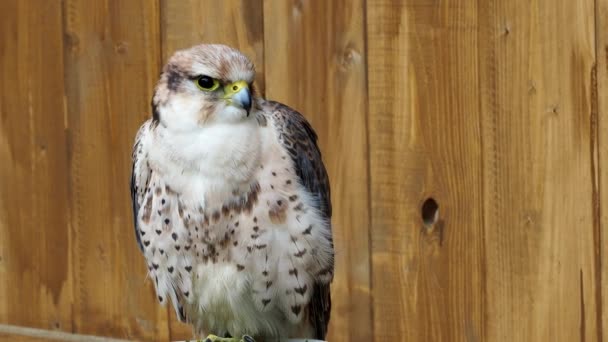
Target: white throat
{"x":209,"y":159}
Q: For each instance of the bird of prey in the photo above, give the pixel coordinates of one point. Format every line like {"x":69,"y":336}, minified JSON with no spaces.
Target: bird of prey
{"x":231,"y":203}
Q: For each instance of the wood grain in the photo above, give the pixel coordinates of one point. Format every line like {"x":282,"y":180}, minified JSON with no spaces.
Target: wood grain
{"x":237,"y":23}
{"x":537,"y":80}
{"x":315,"y":63}
{"x":35,"y":278}
{"x":428,"y":278}
{"x":112,"y":61}
{"x":497,"y":110}
{"x":601,"y":164}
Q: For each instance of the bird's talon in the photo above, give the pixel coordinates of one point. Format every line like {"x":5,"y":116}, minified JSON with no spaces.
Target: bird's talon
{"x":215,"y":338}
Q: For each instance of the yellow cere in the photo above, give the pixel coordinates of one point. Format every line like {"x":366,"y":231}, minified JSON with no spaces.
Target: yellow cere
{"x":233,"y":88}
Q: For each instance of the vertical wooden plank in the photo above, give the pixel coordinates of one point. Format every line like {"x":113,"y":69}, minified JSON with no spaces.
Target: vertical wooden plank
{"x":315,"y":63}
{"x":601,"y":165}
{"x":237,"y":23}
{"x":35,"y":275}
{"x":537,"y":85}
{"x":112,"y":58}
{"x":428,"y":265}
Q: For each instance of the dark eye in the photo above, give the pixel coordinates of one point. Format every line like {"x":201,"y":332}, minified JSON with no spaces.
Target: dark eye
{"x":207,"y":83}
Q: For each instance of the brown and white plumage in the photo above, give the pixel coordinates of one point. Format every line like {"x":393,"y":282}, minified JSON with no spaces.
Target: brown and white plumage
{"x":231,"y":203}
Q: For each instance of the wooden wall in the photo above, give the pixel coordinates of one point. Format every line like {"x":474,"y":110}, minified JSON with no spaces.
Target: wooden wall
{"x":493,"y":110}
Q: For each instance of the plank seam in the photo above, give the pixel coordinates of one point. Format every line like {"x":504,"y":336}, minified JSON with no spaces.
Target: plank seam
{"x":73,"y":166}
{"x":596,"y":180}
{"x":264,"y":49}
{"x":161,"y":6}
{"x":369,"y":168}
{"x":488,"y":138}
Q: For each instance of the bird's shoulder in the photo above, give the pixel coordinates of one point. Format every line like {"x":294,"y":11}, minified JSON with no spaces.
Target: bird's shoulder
{"x":297,"y":136}
{"x":140,"y":173}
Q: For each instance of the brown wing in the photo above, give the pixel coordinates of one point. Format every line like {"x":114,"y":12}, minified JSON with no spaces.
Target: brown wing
{"x":140,"y":175}
{"x":300,"y":140}
{"x":140,"y":180}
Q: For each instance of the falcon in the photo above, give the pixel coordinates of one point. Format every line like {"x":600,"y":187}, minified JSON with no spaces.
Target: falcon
{"x":231,"y":203}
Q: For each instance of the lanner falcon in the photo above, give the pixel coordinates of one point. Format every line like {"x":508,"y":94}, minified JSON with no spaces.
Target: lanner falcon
{"x":231,"y":203}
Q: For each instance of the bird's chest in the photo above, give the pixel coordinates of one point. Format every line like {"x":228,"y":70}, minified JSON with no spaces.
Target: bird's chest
{"x":235,"y":255}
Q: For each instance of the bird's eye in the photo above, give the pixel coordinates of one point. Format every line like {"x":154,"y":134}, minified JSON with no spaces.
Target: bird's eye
{"x":207,"y":83}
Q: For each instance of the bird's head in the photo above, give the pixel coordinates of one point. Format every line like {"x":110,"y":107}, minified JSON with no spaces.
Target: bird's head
{"x":202,"y":85}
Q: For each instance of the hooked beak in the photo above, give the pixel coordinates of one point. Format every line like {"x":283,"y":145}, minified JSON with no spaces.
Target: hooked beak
{"x":238,"y":94}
